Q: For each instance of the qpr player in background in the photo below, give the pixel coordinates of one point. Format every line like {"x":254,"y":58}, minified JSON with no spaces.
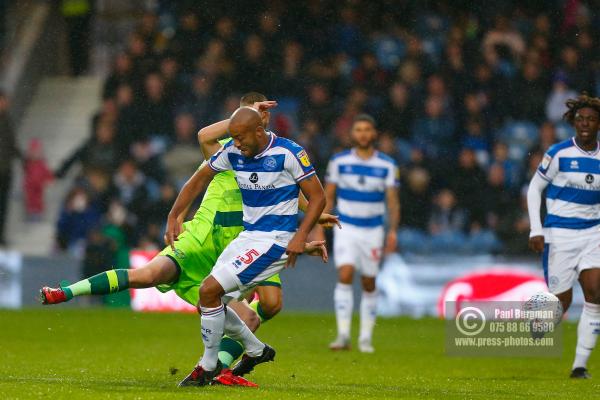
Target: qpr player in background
{"x":363,"y":179}
{"x":269,"y":171}
{"x":570,"y":237}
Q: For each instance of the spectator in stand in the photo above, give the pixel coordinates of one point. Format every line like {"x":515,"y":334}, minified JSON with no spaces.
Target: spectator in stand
{"x":468,"y":181}
{"x":184,"y":156}
{"x":188,"y":40}
{"x":370,"y":75}
{"x":121,"y":74}
{"x":173,"y":87}
{"x":556,"y":99}
{"x":474,"y":138}
{"x":129,"y":187}
{"x":532,"y":87}
{"x":142,"y":59}
{"x":292,"y":81}
{"x":416,"y":195}
{"x":499,"y":199}
{"x":434,"y":131}
{"x":546,"y":138}
{"x":318,"y":106}
{"x":256,"y":70}
{"x":154,"y":113}
{"x":512,"y":172}
{"x":77,"y":219}
{"x":447,"y":223}
{"x":100,"y":152}
{"x":36,"y":177}
{"x":127,"y":132}
{"x":397,"y":115}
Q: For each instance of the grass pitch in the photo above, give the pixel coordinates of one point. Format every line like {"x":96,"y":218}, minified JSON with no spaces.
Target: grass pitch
{"x":73,"y":354}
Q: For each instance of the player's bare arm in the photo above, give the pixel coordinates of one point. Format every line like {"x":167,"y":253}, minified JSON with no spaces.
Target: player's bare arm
{"x":209,"y":136}
{"x":393,"y":205}
{"x":330,"y":189}
{"x":190,"y":190}
{"x":313,"y":191}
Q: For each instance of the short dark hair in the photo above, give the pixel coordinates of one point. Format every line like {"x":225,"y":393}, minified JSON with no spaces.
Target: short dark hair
{"x":365,"y":118}
{"x":583,"y":101}
{"x":252,"y":97}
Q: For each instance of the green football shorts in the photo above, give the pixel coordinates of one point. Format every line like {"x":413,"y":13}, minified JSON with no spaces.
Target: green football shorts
{"x":195,"y":259}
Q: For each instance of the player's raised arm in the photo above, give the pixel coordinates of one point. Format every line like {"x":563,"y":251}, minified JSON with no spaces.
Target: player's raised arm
{"x":190,"y":190}
{"x":209,"y":136}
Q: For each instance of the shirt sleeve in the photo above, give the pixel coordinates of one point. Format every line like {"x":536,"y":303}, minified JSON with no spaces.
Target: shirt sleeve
{"x":333,"y":172}
{"x":548,"y":167}
{"x":534,"y":203}
{"x":220,"y":160}
{"x":393,"y":177}
{"x":299,"y":164}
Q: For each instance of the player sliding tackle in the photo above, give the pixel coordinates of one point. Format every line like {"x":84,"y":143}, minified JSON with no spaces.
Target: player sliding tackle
{"x":269,"y":171}
{"x":216,"y":223}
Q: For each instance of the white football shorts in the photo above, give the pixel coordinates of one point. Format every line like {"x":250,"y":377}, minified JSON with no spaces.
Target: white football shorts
{"x":248,"y":260}
{"x":359,"y":247}
{"x":564,"y":261}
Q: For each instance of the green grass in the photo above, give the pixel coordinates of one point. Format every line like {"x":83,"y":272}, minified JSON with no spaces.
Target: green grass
{"x":55,"y":353}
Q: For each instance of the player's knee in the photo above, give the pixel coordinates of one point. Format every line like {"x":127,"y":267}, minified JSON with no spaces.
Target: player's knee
{"x":210,"y":292}
{"x":368,"y":284}
{"x":271,"y":307}
{"x":346,"y":274}
{"x":592,"y":294}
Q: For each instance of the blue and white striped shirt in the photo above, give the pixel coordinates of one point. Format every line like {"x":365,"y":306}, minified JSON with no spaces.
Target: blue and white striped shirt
{"x":268,"y":182}
{"x":573,"y":192}
{"x":361,"y":185}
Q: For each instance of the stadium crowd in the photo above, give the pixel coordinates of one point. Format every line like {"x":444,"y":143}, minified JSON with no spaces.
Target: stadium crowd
{"x":466,"y":99}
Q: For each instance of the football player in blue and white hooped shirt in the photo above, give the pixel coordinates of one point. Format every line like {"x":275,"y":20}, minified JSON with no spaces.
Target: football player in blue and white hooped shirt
{"x":363,"y":180}
{"x":270,"y":171}
{"x":570,"y":237}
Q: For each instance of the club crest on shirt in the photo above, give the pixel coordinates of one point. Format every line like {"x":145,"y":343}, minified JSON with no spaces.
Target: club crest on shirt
{"x":546,"y":161}
{"x":303,"y":157}
{"x":269,"y":164}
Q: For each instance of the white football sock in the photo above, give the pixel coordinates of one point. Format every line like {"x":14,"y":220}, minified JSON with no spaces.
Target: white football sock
{"x":236,"y":329}
{"x":213,"y":324}
{"x":587,"y":333}
{"x":368,"y":313}
{"x":344,"y":303}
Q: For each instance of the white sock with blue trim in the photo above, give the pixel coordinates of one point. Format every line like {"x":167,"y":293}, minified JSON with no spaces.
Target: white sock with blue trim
{"x":343,"y":299}
{"x":236,"y":329}
{"x":587,"y":334}
{"x":212,"y":324}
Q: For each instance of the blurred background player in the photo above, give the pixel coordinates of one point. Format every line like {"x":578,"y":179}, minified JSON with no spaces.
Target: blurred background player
{"x":570,"y":174}
{"x":363,"y":180}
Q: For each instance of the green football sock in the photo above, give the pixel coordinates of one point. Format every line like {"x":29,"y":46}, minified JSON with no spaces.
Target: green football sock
{"x":111,"y":281}
{"x":255,"y":305}
{"x":229,"y":351}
